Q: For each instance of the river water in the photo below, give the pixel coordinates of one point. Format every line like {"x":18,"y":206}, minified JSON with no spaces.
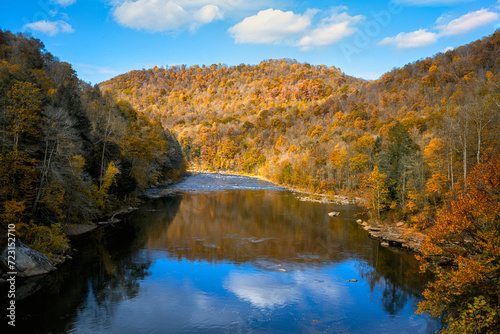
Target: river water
{"x":229,"y":254}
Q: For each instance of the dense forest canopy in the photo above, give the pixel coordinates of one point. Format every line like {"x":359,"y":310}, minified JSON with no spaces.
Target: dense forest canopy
{"x":419,"y":144}
{"x":68,"y":153}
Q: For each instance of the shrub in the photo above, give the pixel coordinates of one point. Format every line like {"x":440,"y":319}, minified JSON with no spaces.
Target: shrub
{"x":47,"y":240}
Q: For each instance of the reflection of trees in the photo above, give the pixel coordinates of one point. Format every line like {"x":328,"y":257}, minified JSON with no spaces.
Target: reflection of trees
{"x":104,"y":271}
{"x":246,"y":225}
{"x":393,"y":299}
{"x":396,"y":273}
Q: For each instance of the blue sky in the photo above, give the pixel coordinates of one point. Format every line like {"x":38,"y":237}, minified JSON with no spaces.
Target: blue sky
{"x":105,"y":38}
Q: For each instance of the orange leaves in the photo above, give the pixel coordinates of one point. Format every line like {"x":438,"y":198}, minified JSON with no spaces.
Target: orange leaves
{"x":315,"y":131}
{"x":469,"y":234}
{"x":437,"y":184}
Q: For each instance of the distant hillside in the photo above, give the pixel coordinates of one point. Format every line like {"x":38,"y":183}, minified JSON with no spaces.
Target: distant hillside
{"x":405,"y":141}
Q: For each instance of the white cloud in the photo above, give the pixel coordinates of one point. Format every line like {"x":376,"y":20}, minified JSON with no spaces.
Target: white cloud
{"x":64,"y":3}
{"x":331,"y":31}
{"x":168,"y":15}
{"x":275,"y":26}
{"x":270,"y":26}
{"x":208,"y":14}
{"x":153,"y":15}
{"x":468,"y":22}
{"x":459,"y":26}
{"x":415,"y":39}
{"x":50,"y":28}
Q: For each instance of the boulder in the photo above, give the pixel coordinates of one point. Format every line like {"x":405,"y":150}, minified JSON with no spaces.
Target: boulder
{"x":28,"y":262}
{"x":400,"y":224}
{"x":334,"y":214}
{"x":359,"y":221}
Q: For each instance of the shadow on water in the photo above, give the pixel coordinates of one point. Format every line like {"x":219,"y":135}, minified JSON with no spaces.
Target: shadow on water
{"x":230,"y":254}
{"x":102,"y":270}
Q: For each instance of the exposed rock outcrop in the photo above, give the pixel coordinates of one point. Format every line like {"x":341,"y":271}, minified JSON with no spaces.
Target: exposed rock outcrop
{"x":27,"y":262}
{"x":398,"y":235}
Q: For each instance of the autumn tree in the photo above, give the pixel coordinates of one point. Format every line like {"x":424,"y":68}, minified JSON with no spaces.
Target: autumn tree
{"x":379,"y":196}
{"x":467,"y":234}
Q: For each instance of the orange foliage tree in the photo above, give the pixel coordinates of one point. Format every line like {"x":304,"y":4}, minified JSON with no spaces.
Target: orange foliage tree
{"x":467,"y":234}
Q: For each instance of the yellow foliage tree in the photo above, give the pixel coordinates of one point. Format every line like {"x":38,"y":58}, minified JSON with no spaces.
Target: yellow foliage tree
{"x":101,"y":194}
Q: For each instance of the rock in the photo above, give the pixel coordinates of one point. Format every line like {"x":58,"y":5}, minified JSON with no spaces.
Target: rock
{"x":375,"y":235}
{"x":384,"y":244}
{"x":28,"y":262}
{"x":400,"y":224}
{"x":352,"y":280}
{"x":283,"y":270}
{"x":359,"y":221}
{"x":334,"y":214}
{"x":364,"y":223}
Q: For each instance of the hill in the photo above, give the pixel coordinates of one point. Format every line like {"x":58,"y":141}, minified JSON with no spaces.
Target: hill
{"x":415,"y":132}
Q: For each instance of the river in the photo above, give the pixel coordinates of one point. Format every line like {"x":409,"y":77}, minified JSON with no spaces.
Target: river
{"x":229,"y":254}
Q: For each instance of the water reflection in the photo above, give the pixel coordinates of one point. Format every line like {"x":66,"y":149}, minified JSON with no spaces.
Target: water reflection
{"x":245,"y":225}
{"x":233,"y":256}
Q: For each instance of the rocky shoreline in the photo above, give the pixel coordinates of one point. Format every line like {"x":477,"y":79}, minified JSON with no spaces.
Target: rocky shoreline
{"x":398,"y":235}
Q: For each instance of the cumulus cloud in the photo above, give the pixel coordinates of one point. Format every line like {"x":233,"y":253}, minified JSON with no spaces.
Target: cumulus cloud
{"x":456,"y":27}
{"x":415,"y":39}
{"x":208,"y":14}
{"x":468,"y":22}
{"x":275,"y":26}
{"x":270,"y":26}
{"x":169,"y":15}
{"x":50,"y":28}
{"x":331,"y":31}
{"x":153,"y":15}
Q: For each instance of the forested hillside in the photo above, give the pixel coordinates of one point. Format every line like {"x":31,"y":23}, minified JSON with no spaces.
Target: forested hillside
{"x":68,"y":153}
{"x":406,"y":140}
